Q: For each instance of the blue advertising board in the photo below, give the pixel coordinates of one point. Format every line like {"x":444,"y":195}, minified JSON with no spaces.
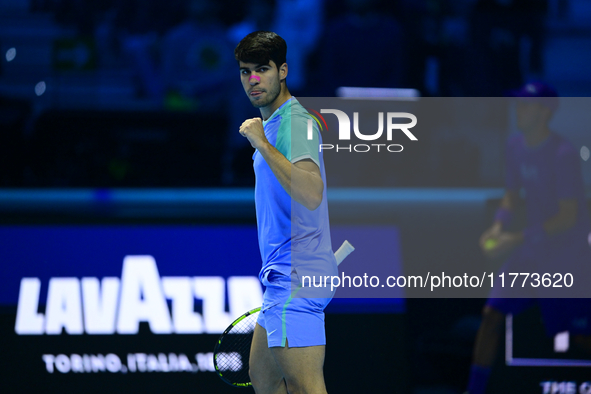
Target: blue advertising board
{"x":129,"y":303}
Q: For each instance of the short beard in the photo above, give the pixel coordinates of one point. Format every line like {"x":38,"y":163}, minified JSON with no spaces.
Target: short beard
{"x":272,"y":96}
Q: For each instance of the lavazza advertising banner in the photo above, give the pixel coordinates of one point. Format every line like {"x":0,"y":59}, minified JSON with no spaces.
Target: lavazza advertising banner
{"x":102,"y":308}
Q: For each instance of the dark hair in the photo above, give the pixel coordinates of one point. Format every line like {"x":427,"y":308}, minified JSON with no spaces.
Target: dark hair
{"x":260,"y":47}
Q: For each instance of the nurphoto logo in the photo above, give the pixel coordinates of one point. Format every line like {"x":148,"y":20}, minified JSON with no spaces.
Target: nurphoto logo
{"x":345,"y":130}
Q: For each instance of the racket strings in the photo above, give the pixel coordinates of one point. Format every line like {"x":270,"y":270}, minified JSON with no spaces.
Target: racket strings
{"x":245,"y":326}
{"x":234,"y":351}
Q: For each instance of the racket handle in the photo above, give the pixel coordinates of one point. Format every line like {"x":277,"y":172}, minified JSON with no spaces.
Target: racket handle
{"x":345,"y":249}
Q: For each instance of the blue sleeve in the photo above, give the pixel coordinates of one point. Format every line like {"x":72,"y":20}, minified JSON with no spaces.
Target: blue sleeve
{"x":302,"y":147}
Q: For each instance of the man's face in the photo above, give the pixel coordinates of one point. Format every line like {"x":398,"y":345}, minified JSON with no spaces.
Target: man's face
{"x":530,"y":115}
{"x":261,"y":82}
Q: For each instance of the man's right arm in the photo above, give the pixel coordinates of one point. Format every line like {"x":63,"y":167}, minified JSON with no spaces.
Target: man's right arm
{"x":509,"y":203}
{"x":510,"y":199}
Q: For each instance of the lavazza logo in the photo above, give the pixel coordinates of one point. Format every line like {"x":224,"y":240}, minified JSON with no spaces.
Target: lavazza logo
{"x":345,"y":131}
{"x":118,"y":305}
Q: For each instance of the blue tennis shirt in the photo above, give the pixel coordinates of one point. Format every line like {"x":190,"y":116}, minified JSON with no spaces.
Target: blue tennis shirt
{"x":291,"y":237}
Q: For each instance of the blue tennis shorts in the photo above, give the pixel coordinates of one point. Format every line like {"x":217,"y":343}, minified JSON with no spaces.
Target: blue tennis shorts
{"x":288,"y":319}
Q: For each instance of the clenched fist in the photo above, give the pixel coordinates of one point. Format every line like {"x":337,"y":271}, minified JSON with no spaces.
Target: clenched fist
{"x":253,"y":130}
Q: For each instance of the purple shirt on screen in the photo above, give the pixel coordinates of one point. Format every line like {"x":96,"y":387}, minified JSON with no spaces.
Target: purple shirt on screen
{"x":548,"y":173}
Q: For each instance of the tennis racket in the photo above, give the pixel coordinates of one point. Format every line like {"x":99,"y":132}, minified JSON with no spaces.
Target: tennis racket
{"x":232,"y":352}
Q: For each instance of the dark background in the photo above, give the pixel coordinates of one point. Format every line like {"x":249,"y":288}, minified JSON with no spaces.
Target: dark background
{"x":117,"y":94}
{"x":125,"y":93}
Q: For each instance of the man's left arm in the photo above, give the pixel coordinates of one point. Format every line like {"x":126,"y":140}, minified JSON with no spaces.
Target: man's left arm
{"x":559,"y":223}
{"x":564,"y":219}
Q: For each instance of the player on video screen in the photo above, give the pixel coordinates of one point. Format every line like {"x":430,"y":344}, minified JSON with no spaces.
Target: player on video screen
{"x":547,"y":167}
{"x":287,"y":352}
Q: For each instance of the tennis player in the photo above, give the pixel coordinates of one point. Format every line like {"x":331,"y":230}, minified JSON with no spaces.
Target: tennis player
{"x":548,"y":168}
{"x":287,"y":353}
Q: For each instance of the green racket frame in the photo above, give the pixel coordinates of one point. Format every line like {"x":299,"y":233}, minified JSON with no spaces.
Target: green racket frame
{"x":217,"y":346}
